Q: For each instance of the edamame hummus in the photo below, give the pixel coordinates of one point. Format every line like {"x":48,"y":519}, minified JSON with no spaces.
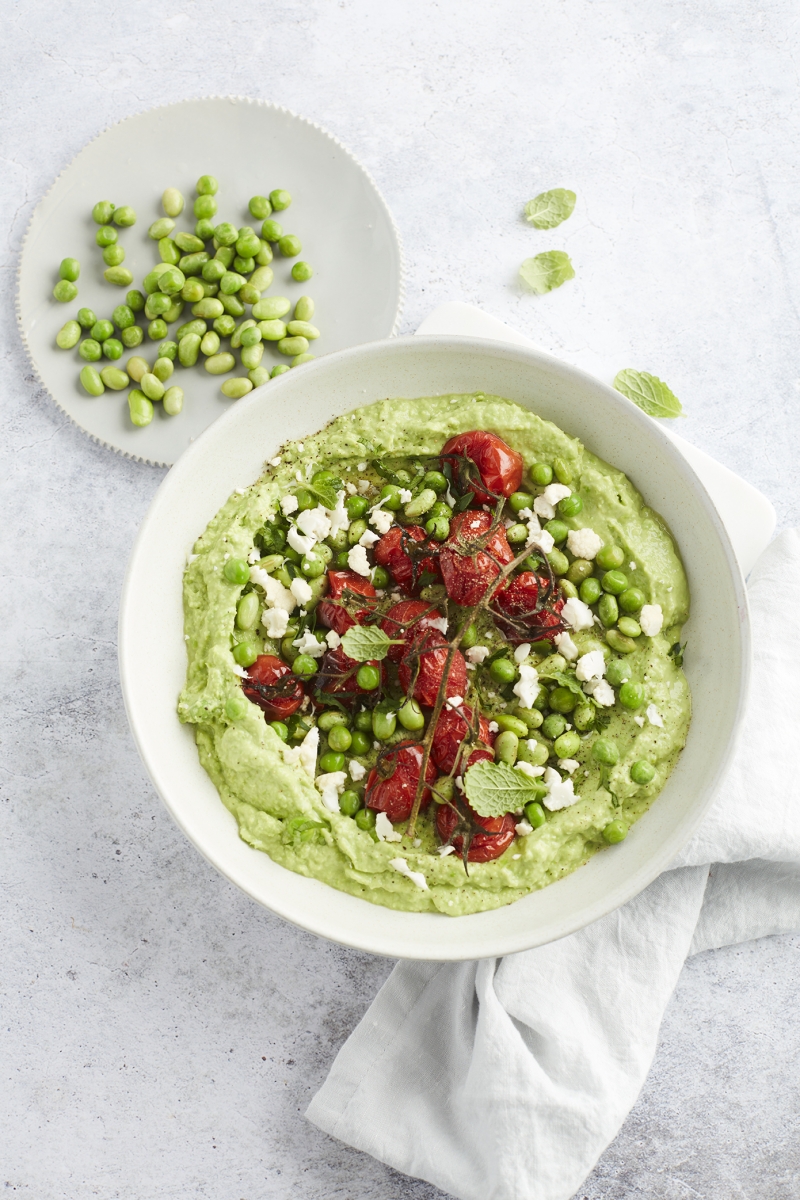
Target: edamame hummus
{"x":434,"y":654}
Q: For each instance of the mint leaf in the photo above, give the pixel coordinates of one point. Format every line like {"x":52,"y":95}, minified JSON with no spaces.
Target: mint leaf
{"x":549,"y":209}
{"x":650,"y":393}
{"x":566,"y":681}
{"x":365,"y":643}
{"x":494,"y":788}
{"x":547,"y":271}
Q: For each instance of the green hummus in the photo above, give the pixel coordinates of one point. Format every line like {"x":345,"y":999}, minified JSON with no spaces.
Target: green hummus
{"x":265,"y":786}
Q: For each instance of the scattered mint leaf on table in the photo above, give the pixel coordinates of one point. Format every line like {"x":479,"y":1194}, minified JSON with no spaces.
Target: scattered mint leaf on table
{"x":365,"y":643}
{"x":549,"y":209}
{"x":547,"y":271}
{"x":494,"y":788}
{"x":649,"y":392}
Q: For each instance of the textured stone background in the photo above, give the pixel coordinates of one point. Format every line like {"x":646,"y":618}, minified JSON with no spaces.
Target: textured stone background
{"x":161,"y":1034}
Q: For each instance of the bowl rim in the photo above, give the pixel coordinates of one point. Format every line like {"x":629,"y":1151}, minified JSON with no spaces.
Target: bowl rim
{"x":638,"y":879}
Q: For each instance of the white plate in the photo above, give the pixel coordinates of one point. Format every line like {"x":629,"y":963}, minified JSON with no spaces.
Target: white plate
{"x":345,"y":227}
{"x":231,"y":454}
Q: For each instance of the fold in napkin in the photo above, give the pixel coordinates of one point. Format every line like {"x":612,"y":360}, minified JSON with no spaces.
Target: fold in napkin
{"x":505,"y":1079}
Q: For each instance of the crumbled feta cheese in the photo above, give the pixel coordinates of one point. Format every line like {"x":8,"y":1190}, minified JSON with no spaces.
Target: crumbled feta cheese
{"x":651,"y":619}
{"x":508,"y":522}
{"x":333,"y":639}
{"x":544,"y":540}
{"x":476,"y":654}
{"x":276,"y":461}
{"x":368,"y":539}
{"x":405,"y":495}
{"x":460,"y":782}
{"x":403,"y":868}
{"x":315,"y":523}
{"x":338,"y":516}
{"x":298,"y":476}
{"x":590,"y":666}
{"x":275,"y":621}
{"x":240,"y":671}
{"x":308,"y":644}
{"x":523,"y":828}
{"x":385,"y":830}
{"x":554,"y":492}
{"x":494,"y":727}
{"x":570,"y":765}
{"x":654,"y":716}
{"x":357,"y":561}
{"x":277,"y":595}
{"x":527,"y":686}
{"x":362,"y":466}
{"x":380,"y":519}
{"x":526,"y":768}
{"x":577,"y":614}
{"x":445,"y":850}
{"x":301,"y":590}
{"x":289,"y":504}
{"x":439,"y":623}
{"x":357,"y":770}
{"x":566,"y":646}
{"x":516,"y":856}
{"x":449,"y":497}
{"x":543,"y":508}
{"x":299,"y":543}
{"x":522,"y":651}
{"x":301,"y":446}
{"x":639,"y":721}
{"x":454,"y":701}
{"x":331,"y":786}
{"x":561,"y":793}
{"x":632,"y":566}
{"x":305,"y":754}
{"x":351,"y":489}
{"x":584,"y":543}
{"x":363,"y":486}
{"x":254,"y":556}
{"x":601,"y":691}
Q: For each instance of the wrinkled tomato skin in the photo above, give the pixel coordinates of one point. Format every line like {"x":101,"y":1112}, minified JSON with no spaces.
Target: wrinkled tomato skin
{"x":432,"y":649}
{"x":518,"y":599}
{"x":395,"y":795}
{"x":467,"y":578}
{"x":332,"y":612}
{"x":499,"y":467}
{"x":336,"y":663}
{"x":484,"y":847}
{"x":402,"y":620}
{"x":267,"y":670}
{"x":451,"y":730}
{"x":391,"y":553}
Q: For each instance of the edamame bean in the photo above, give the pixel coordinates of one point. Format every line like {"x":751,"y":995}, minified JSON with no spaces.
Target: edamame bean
{"x":102,"y":212}
{"x":567,"y":744}
{"x":642,"y":772}
{"x":132,"y":336}
{"x":302,"y":271}
{"x":172,"y":202}
{"x":469,"y":638}
{"x":554,"y":725}
{"x":264,"y":256}
{"x":562,"y":471}
{"x":304,"y":311}
{"x":92,"y":383}
{"x":119,"y":276}
{"x":213,"y":271}
{"x":207,"y":186}
{"x":536,"y":753}
{"x":259,"y":207}
{"x":175,"y":309}
{"x":281,"y":369}
{"x":173,"y":401}
{"x":205,"y":207}
{"x":608,"y":609}
{"x":619,"y":642}
{"x":232,"y":305}
{"x":192,"y":264}
{"x":68,"y":335}
{"x":616,"y":831}
{"x":189,"y":349}
{"x":531,"y":717}
{"x":631,"y":600}
{"x":583,"y":716}
{"x":558,"y":561}
{"x":357,"y":530}
{"x":618,"y":672}
{"x":248,"y":294}
{"x":235,"y":389}
{"x":219,"y":364}
{"x":106,"y":236}
{"x":410,"y":715}
{"x":113,"y":348}
{"x":557,"y":530}
{"x":64,"y":291}
{"x":189,"y":243}
{"x":271,"y":230}
{"x":163,"y":369}
{"x":137,"y":367}
{"x":90,"y":350}
{"x":196,"y":326}
{"x":562,"y":700}
{"x":590,"y":590}
{"x":383,"y":723}
{"x":124,"y":216}
{"x":192,"y":291}
{"x":292,"y":345}
{"x":157,"y":329}
{"x":168,"y":251}
{"x":310,"y":332}
{"x":114,"y":377}
{"x":152,"y":386}
{"x":629,"y":627}
{"x":251,"y":356}
{"x":250,"y":336}
{"x":605,"y":751}
{"x":261,"y":279}
{"x":156,"y":305}
{"x":69,"y":269}
{"x":579,"y":570}
{"x":535,"y":814}
{"x":506,"y":747}
{"x":161,"y":228}
{"x":230,"y":283}
{"x":610,"y":557}
{"x":517,"y":534}
{"x":421,"y":503}
{"x":511,"y":724}
{"x":271,"y":307}
{"x":279,"y":199}
{"x":208,"y":307}
{"x":86,"y":318}
{"x":209,"y":343}
{"x":340,"y":738}
{"x":168,"y":350}
{"x":567,"y":589}
{"x":272,"y":331}
{"x":236,"y":337}
{"x":258,"y":377}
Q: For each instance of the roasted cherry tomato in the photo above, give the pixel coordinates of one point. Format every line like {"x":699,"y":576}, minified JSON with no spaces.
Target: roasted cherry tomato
{"x":467,"y":573}
{"x":271,"y":685}
{"x":499,"y":467}
{"x":392,"y":552}
{"x":337,"y":676}
{"x":403,"y":619}
{"x":452,"y":728}
{"x":333,"y":610}
{"x":392,"y":784}
{"x":483,"y":847}
{"x":426,"y":656}
{"x":518,"y":599}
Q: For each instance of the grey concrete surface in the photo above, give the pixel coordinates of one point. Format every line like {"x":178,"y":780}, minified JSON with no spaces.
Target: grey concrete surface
{"x":160,"y":1034}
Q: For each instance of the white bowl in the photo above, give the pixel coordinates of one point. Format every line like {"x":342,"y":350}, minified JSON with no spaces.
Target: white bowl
{"x":231,"y":454}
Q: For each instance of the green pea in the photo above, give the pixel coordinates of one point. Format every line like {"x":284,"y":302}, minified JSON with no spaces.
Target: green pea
{"x":361,"y":743}
{"x":172,"y":202}
{"x":173,"y":401}
{"x":642,"y":772}
{"x":579,"y":570}
{"x":113,"y":256}
{"x":209,"y":343}
{"x":558,"y":561}
{"x":259,"y":207}
{"x":349,"y":803}
{"x":503,"y":670}
{"x":232,"y":305}
{"x":90,"y":350}
{"x":168,"y":350}
{"x":411,"y":716}
{"x":271,"y":230}
{"x":363,"y":722}
{"x":224,"y":325}
{"x":420,"y":503}
{"x":250,"y":336}
{"x":230,"y":282}
{"x":226,"y":234}
{"x":161,"y":228}
{"x":213,"y":271}
{"x":124,"y":216}
{"x":106,"y":236}
{"x":204,"y":207}
{"x":390,"y":498}
{"x":631,"y":599}
{"x":236,"y":708}
{"x":279,"y":199}
{"x":248,"y":294}
{"x":562,"y":700}
{"x":206,"y":186}
{"x":618,"y":672}
{"x":356,"y":507}
{"x":132,"y":336}
{"x":269,"y":308}
{"x":140,"y":409}
{"x":306,"y":666}
{"x":570,"y":506}
{"x":383,"y":724}
{"x":536,"y":752}
{"x":220,"y":364}
{"x":438,"y":528}
{"x":629,"y":627}
{"x":590,"y":590}
{"x":243,"y":265}
{"x":553,"y":726}
{"x":562,"y":472}
{"x":557,"y":530}
{"x":340,"y":738}
{"x":236,"y":336}
{"x":156,"y":305}
{"x":209,"y":308}
{"x":305,"y":500}
{"x":469,"y":638}
{"x":114,"y":378}
{"x":583,"y":716}
{"x":380,"y":577}
{"x":281,"y":369}
{"x":247,"y":243}
{"x":251,"y":355}
{"x":290,"y":246}
{"x":311,"y":565}
{"x":520,"y":500}
{"x":68,"y":335}
{"x":102,"y":212}
{"x":245,"y":654}
{"x":619,"y":642}
{"x":123,"y":316}
{"x":64,"y":291}
{"x":605,"y":751}
{"x":236,"y":388}
{"x":615,"y":831}
{"x":302,"y":271}
{"x":189,"y":349}
{"x":631,"y":695}
{"x":113,"y":348}
{"x":535,"y":814}
{"x":119,"y":276}
{"x":609,"y":557}
{"x":69,"y":269}
{"x":506,"y":747}
{"x":92,"y":383}
{"x":511,"y":724}
{"x":171,"y":281}
{"x":365,"y":819}
{"x":157,"y":329}
{"x":517,"y":535}
{"x":236,"y":571}
{"x":86,"y":318}
{"x":608,"y":610}
{"x":541,"y":474}
{"x":567,"y":744}
{"x":368,"y":678}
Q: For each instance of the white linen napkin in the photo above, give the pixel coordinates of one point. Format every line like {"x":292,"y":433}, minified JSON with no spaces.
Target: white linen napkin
{"x":505,"y":1079}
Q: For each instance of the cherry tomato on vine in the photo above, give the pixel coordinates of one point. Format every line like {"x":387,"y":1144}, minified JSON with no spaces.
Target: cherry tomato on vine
{"x":283,"y":693}
{"x":499,"y":467}
{"x":468,"y":571}
{"x":483,"y":847}
{"x":402,"y":620}
{"x":451,"y":729}
{"x":332,"y":611}
{"x":392,"y":784}
{"x":393,"y":551}
{"x":426,"y":657}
